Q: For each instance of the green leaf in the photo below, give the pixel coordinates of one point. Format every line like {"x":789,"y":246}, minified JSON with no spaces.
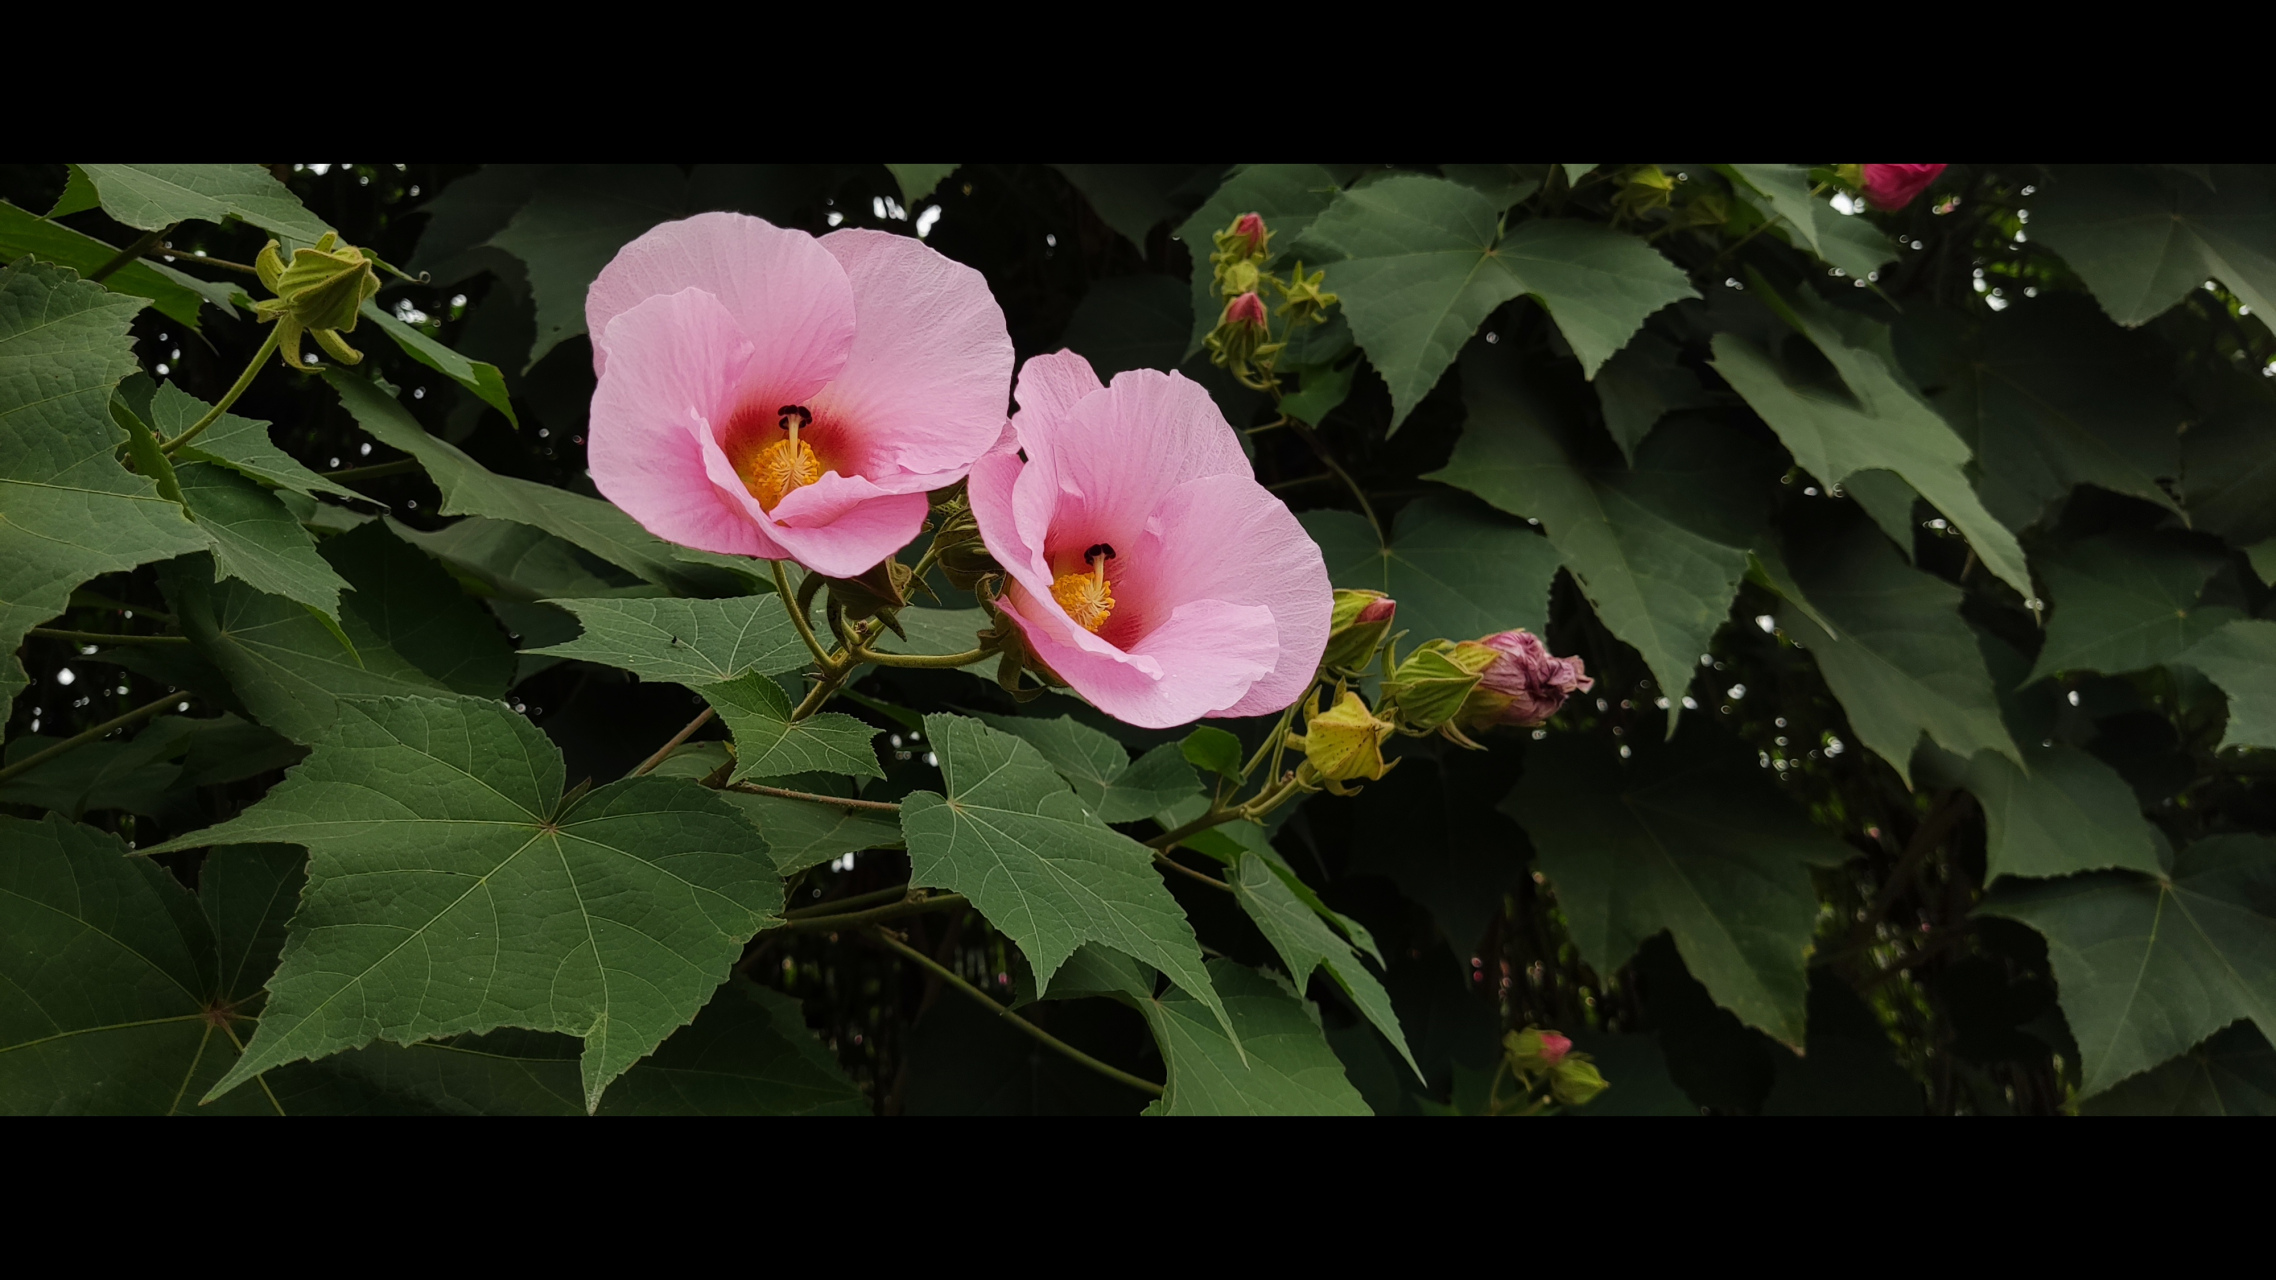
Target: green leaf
{"x":2232,"y":1074}
{"x":768,"y":744}
{"x":71,"y":512}
{"x":175,"y":294}
{"x":1287,"y":196}
{"x":133,"y":775}
{"x":1898,"y":655}
{"x":1780,"y":191}
{"x":1216,"y":750}
{"x":599,"y":527}
{"x":1010,"y":836}
{"x":119,"y":1000}
{"x":1504,"y":184}
{"x":1135,"y":198}
{"x":2148,"y":966}
{"x":1288,"y":1069}
{"x":689,"y":641}
{"x":483,"y":380}
{"x":1849,"y":1067}
{"x":918,"y":181}
{"x":2241,"y":658}
{"x":241,"y":444}
{"x":256,"y":540}
{"x":935,"y":631}
{"x":2051,"y":396}
{"x":151,"y":197}
{"x":521,"y":562}
{"x":1659,"y":548}
{"x":1852,"y":243}
{"x":2126,"y":601}
{"x":450,"y":891}
{"x":2142,"y":239}
{"x":1304,"y":942}
{"x":800,"y":833}
{"x":1100,"y":769}
{"x":573,"y":222}
{"x":2228,"y":463}
{"x":1866,"y":416}
{"x":2062,"y":813}
{"x":1458,"y":568}
{"x":1690,"y":837}
{"x":1641,"y":385}
{"x":747,"y":1054}
{"x":411,"y":631}
{"x":1420,"y":262}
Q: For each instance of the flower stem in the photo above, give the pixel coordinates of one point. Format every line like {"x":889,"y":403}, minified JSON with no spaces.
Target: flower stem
{"x":244,"y":380}
{"x":854,"y":903}
{"x":143,"y":712}
{"x":945,"y":974}
{"x":846,"y":922}
{"x":841,"y":802}
{"x":98,"y":637}
{"x":794,"y":601}
{"x":128,"y":254}
{"x":1319,"y":447}
{"x":677,"y":738}
{"x":1179,"y":867}
{"x":934,"y":660}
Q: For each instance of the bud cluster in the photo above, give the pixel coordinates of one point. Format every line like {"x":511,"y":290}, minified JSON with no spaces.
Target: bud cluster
{"x":1544,"y":1059}
{"x":1243,"y":339}
{"x":1451,"y":688}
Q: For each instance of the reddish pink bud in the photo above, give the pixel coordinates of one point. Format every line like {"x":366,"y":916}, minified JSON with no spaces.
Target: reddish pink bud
{"x":1250,"y":228}
{"x":1535,"y":682}
{"x":1378,"y":610}
{"x":1246,"y":311}
{"x":1554,"y":1047}
{"x":1893,"y":186}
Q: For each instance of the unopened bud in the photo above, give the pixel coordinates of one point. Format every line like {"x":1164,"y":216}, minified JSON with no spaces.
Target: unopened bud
{"x":883,"y":591}
{"x":321,"y":293}
{"x":1249,"y":230}
{"x":1536,"y":1050}
{"x":963,"y":558}
{"x":1435,"y":683}
{"x":1575,"y":1081}
{"x":1356,"y":628}
{"x":1344,"y":743}
{"x":1240,"y":334}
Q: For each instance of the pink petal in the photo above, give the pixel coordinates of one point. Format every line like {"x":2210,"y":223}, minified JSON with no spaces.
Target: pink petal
{"x":931,"y":359}
{"x":1204,"y":658}
{"x":1117,"y":452}
{"x":841,"y":526}
{"x":1050,"y":386}
{"x":788,"y":293}
{"x":1227,"y":538}
{"x":679,"y":360}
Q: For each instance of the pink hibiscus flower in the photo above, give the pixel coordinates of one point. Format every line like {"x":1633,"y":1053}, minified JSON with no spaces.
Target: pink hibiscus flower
{"x":1149,"y":570}
{"x":765,"y":393}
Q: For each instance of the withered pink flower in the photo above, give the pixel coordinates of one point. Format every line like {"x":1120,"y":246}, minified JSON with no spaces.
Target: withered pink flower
{"x":1149,"y":570}
{"x":1893,"y":186}
{"x":765,"y":393}
{"x":1533,"y":681}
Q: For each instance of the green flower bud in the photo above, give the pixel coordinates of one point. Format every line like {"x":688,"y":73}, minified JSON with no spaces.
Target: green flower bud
{"x":1356,"y":628}
{"x":1436,"y":683}
{"x":1342,"y":744}
{"x":1536,"y":1050}
{"x":1575,"y":1081}
{"x":321,"y":292}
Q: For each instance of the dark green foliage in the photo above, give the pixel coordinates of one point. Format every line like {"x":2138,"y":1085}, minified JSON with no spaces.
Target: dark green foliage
{"x":1921,"y":560}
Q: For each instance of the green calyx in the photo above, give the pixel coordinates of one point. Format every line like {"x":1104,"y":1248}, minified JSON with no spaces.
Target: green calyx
{"x":1352,"y":641}
{"x":320,"y":293}
{"x":1436,"y":688}
{"x":1342,"y":744}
